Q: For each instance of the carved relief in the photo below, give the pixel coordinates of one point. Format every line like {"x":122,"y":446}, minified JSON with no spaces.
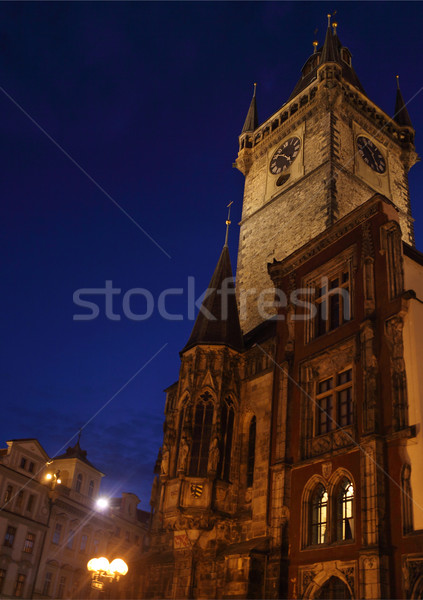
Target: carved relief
{"x":214,"y":455}
{"x":183,"y":455}
{"x":391,"y":245}
{"x":326,"y":469}
{"x":370,"y":377}
{"x":367,"y":260}
{"x":394,"y":338}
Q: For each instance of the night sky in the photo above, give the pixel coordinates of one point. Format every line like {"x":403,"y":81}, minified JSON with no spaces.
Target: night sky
{"x":148,"y":98}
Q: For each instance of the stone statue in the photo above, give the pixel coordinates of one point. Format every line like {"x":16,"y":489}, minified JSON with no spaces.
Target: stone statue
{"x":183,"y":455}
{"x":165,"y":460}
{"x":214,"y":455}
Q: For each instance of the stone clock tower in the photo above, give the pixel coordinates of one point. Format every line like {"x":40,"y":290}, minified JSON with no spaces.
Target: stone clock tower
{"x":320,"y":156}
{"x":293,"y":446}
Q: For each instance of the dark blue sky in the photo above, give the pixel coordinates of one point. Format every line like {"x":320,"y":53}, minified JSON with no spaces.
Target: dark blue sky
{"x":149,"y":99}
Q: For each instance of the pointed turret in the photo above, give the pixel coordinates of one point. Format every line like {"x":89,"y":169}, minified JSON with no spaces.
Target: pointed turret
{"x":75,"y":452}
{"x":251,"y":121}
{"x":330,"y":51}
{"x":401,"y":115}
{"x":218,"y":319}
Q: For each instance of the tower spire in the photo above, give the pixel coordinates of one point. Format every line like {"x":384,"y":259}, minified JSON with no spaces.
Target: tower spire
{"x":401,"y":115}
{"x":330,"y":48}
{"x":251,"y":121}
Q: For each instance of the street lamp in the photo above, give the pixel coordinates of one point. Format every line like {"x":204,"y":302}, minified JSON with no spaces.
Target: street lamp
{"x":105,"y":572}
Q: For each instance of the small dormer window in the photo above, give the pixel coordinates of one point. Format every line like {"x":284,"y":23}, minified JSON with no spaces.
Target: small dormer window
{"x":346,"y":56}
{"x":311,"y":64}
{"x":23,"y":463}
{"x":78,"y":483}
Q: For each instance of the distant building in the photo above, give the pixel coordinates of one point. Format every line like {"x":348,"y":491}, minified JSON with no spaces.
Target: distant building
{"x":292,"y":458}
{"x":50,"y":526}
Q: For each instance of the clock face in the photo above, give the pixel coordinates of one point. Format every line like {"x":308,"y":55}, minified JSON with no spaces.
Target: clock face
{"x":371,"y":154}
{"x":285,"y":155}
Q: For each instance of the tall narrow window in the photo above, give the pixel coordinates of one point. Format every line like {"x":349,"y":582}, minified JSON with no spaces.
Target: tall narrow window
{"x":2,"y":578}
{"x":334,"y":400}
{"x":47,"y":584}
{"x":19,"y":585}
{"x":78,"y":483}
{"x":332,"y":302}
{"x":29,"y":543}
{"x":251,"y":452}
{"x":19,"y":499}
{"x":203,"y":417}
{"x":30,"y":502}
{"x":319,"y":508}
{"x":83,"y":544}
{"x":407,"y":500}
{"x":9,"y":538}
{"x":57,"y":533}
{"x":227,"y":428}
{"x":91,"y":489}
{"x":344,"y":511}
{"x":70,"y":539}
{"x":61,"y":587}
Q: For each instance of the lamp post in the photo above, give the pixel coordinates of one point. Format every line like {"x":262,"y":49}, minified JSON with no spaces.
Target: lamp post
{"x":104,"y":572}
{"x":52,"y":480}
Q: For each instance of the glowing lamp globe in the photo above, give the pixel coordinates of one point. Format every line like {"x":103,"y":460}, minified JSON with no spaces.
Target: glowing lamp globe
{"x":92,"y":564}
{"x":102,"y":503}
{"x":102,"y":564}
{"x":118,"y":566}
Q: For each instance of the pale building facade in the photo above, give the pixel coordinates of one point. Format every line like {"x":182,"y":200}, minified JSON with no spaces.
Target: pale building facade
{"x":291,"y":458}
{"x":50,"y":525}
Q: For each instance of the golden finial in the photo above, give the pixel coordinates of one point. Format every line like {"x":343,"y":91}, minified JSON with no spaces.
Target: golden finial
{"x":334,"y":26}
{"x":397,"y":78}
{"x":329,"y":17}
{"x":255,"y":87}
{"x":228,"y":221}
{"x":315,"y":43}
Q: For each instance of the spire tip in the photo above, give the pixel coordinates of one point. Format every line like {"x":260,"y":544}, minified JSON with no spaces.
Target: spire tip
{"x":228,"y":221}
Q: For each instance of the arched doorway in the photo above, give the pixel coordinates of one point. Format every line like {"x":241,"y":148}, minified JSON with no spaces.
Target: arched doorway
{"x":333,"y":589}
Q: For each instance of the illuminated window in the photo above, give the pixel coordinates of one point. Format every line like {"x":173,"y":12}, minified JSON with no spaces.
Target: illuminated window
{"x":344,"y":511}
{"x":334,"y":402}
{"x":227,"y":428}
{"x":29,"y":543}
{"x":78,"y":483}
{"x":19,"y":585}
{"x":319,"y":509}
{"x":203,"y":417}
{"x":251,"y":452}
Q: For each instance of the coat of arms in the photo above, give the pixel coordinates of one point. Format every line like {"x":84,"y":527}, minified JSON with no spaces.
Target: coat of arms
{"x":196,"y":489}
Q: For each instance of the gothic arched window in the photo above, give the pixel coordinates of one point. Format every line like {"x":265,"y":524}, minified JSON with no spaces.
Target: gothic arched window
{"x":78,"y":483}
{"x":407,"y":500}
{"x":333,"y":589}
{"x":344,"y":511}
{"x":227,"y":428}
{"x":251,"y":452}
{"x":319,"y":515}
{"x":203,"y":418}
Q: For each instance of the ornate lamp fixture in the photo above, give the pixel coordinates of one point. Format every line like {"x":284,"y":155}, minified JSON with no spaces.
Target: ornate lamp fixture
{"x":105,"y":572}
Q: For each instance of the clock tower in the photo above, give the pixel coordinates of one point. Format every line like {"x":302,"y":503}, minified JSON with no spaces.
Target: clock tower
{"x":321,"y":155}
